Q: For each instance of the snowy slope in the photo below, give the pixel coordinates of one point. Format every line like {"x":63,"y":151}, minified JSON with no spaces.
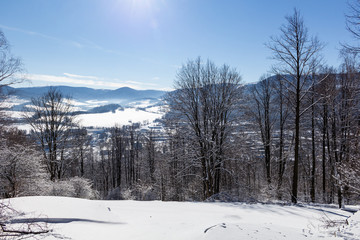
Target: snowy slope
{"x":85,"y":219}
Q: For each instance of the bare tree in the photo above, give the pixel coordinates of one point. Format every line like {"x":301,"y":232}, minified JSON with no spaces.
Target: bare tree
{"x":297,"y":56}
{"x":10,"y":70}
{"x":118,"y":149}
{"x":283,"y":111}
{"x":51,"y":120}
{"x":80,"y":144}
{"x":347,"y":130}
{"x":132,"y":154}
{"x":22,"y":171}
{"x":150,"y":150}
{"x":352,"y":25}
{"x":206,"y":99}
{"x":313,"y":145}
{"x":263,"y":95}
{"x":9,"y":64}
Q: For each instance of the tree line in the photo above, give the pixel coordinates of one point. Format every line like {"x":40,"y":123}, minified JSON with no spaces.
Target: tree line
{"x":293,"y":136}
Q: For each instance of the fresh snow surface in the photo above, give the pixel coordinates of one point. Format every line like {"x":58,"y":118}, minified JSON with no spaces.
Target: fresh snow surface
{"x":120,"y":117}
{"x":141,"y":104}
{"x":24,"y":127}
{"x":79,"y":219}
{"x":352,"y":229}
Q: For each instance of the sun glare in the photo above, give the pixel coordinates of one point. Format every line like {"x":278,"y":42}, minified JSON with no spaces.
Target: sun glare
{"x":141,"y":5}
{"x":145,"y":11}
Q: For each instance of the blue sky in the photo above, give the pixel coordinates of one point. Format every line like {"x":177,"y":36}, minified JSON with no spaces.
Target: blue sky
{"x":142,"y":43}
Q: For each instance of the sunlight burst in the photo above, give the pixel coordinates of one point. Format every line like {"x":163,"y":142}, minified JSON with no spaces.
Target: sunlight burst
{"x":141,"y":5}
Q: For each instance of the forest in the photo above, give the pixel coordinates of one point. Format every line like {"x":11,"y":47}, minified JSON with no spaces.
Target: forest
{"x":291,"y":137}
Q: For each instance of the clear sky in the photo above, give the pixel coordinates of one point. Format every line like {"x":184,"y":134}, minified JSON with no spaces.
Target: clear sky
{"x":142,"y":43}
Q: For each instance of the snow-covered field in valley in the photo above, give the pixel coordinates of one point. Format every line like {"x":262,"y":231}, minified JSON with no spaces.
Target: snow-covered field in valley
{"x":70,"y":218}
{"x":119,"y":117}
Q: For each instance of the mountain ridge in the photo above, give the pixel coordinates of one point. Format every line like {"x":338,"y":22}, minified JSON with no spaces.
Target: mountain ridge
{"x":85,"y":93}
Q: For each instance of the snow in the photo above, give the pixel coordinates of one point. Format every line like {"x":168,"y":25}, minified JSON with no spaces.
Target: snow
{"x":23,"y":126}
{"x":141,"y":104}
{"x":352,"y":229}
{"x":120,"y":117}
{"x":11,"y":101}
{"x":92,"y":219}
{"x":155,"y":109}
{"x":14,"y":114}
{"x":96,"y":103}
{"x":134,"y":111}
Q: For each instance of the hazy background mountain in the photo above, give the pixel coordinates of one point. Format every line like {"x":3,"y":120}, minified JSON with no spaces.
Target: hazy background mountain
{"x":84,"y":93}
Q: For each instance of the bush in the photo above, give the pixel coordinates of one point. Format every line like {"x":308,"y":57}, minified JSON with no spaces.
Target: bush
{"x":74,"y":187}
{"x":22,"y":172}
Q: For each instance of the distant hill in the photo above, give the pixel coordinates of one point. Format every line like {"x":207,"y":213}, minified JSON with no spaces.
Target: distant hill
{"x":84,"y":93}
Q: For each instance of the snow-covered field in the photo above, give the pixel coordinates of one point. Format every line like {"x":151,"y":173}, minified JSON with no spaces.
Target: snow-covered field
{"x":119,"y":117}
{"x":79,"y":219}
{"x":134,"y":111}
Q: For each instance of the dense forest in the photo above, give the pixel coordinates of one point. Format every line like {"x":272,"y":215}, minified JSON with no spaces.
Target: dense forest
{"x":293,"y":136}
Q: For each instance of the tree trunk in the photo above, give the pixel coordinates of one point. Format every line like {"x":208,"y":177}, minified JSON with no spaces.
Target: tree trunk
{"x":313,"y":169}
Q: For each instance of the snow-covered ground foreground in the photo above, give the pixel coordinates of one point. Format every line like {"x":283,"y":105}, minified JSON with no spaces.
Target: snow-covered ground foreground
{"x":71,"y":218}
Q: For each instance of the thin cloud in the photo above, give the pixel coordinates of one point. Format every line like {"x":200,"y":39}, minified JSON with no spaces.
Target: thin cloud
{"x":141,"y":83}
{"x":91,"y":44}
{"x":81,"y":76}
{"x":86,"y":43}
{"x":88,"y":81}
{"x":73,"y":43}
